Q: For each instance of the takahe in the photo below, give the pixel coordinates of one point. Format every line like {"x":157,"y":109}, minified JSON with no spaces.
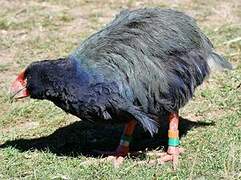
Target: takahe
{"x":145,"y":63}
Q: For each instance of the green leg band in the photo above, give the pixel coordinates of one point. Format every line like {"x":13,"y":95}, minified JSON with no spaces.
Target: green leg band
{"x":173,"y":142}
{"x":125,"y":140}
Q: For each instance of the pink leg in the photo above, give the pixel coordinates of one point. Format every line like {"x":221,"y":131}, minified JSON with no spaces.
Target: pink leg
{"x":173,"y":150}
{"x":173,"y":127}
{"x":123,"y":148}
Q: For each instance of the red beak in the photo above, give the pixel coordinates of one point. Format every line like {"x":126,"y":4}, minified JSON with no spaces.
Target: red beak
{"x":18,"y":88}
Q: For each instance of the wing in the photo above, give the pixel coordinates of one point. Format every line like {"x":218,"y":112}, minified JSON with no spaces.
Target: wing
{"x":157,"y":57}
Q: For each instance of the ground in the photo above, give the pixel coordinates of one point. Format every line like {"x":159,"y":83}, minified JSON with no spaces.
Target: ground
{"x":39,"y":141}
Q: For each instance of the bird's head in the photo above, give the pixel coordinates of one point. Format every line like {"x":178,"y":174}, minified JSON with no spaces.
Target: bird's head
{"x":40,"y":79}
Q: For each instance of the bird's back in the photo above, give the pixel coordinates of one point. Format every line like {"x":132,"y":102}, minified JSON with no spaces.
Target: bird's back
{"x":160,"y":54}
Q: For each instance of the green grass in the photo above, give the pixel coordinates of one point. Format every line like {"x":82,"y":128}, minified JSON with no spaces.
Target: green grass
{"x":40,"y":141}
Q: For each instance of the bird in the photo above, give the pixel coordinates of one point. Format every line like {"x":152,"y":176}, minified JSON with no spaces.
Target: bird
{"x":145,"y":63}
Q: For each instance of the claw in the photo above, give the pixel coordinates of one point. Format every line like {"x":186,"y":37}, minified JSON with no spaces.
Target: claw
{"x":116,"y":161}
{"x":116,"y":157}
{"x":171,"y":155}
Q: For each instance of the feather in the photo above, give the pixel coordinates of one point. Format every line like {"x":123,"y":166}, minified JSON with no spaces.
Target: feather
{"x":144,"y":63}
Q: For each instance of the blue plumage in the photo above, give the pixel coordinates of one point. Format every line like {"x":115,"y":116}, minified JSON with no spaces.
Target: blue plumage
{"x":145,"y":63}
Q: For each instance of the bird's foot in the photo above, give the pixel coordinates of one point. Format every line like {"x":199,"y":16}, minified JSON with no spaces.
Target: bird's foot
{"x":172,"y":154}
{"x":121,"y":151}
{"x":117,"y":156}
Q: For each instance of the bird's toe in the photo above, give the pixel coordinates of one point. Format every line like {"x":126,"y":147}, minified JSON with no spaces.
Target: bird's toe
{"x":116,"y":161}
{"x":121,"y":151}
{"x":163,"y":157}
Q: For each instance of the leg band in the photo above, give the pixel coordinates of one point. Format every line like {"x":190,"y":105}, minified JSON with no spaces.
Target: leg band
{"x":174,"y":142}
{"x":125,"y":140}
{"x":173,"y":134}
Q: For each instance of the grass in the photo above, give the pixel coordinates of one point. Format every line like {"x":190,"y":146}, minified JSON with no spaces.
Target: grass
{"x":39,"y":141}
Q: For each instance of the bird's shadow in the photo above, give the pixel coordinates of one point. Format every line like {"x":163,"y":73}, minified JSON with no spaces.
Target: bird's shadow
{"x":81,"y":138}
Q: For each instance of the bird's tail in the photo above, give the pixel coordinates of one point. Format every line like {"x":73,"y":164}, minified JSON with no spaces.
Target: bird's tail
{"x":218,"y":63}
{"x":148,"y":124}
